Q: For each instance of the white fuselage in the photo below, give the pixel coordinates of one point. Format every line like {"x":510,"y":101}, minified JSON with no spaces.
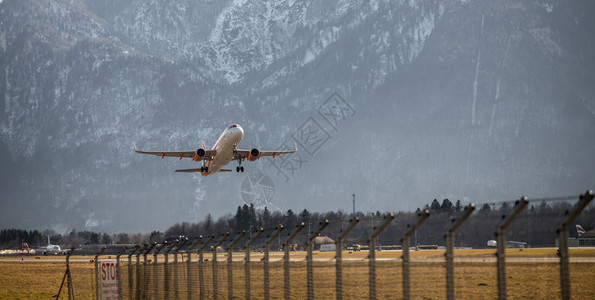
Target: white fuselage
{"x":224,"y":147}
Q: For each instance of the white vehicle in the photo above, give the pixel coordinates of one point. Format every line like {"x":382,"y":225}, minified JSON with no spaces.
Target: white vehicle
{"x":53,"y":249}
{"x":492,"y":243}
{"x":328,"y":247}
{"x":223,"y":152}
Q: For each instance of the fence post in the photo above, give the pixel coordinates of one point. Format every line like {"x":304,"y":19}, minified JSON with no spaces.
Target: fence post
{"x":584,"y":200}
{"x":166,"y":269}
{"x":229,"y":263}
{"x":156,"y":270}
{"x":372,"y":255}
{"x":138,"y":271}
{"x":450,"y":244}
{"x":267,"y":282}
{"x":176,"y":285}
{"x":145,"y":281}
{"x":201,"y":273}
{"x":118,"y":270}
{"x":310,"y":258}
{"x":286,"y":247}
{"x":339,"y":258}
{"x":189,"y":262}
{"x":405,"y":245}
{"x":501,"y":243}
{"x":130,"y":290}
{"x":247,"y":261}
{"x":68,"y":277}
{"x":215,"y":279}
{"x":97,"y":296}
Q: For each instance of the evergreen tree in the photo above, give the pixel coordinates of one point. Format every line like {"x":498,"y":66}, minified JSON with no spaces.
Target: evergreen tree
{"x":435,"y":206}
{"x":458,"y":206}
{"x":266,"y":218}
{"x":446,"y":205}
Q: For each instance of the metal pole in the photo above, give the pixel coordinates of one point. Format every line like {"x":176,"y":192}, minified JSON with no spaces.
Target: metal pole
{"x":501,"y":243}
{"x":166,"y":276}
{"x":372,"y":254}
{"x":229,"y":263}
{"x":201,"y":272}
{"x":130,"y":271}
{"x":145,"y":290}
{"x":247,"y":261}
{"x":70,"y":284}
{"x":339,"y":257}
{"x":97,"y":296}
{"x":286,"y":247}
{"x":354,"y":205}
{"x":267,"y":284}
{"x":405,"y":245}
{"x":176,"y":285}
{"x":450,"y":281}
{"x":215,"y":279}
{"x":118,"y":275}
{"x":310,"y":258}
{"x":584,"y":200}
{"x":156,"y":270}
{"x":138,"y":271}
{"x":189,"y":262}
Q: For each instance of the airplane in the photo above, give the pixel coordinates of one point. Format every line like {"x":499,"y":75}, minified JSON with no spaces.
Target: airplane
{"x":223,"y":152}
{"x":52,"y":249}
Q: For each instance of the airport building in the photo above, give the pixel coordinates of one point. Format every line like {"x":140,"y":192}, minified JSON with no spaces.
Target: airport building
{"x":585,"y":240}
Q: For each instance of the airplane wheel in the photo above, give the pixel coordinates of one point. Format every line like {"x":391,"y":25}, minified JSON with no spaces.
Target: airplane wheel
{"x":202,"y":169}
{"x":242,"y":169}
{"x":238,"y":169}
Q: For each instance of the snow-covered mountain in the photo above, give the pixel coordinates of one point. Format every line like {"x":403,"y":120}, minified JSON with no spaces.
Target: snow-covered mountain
{"x":399,"y":102}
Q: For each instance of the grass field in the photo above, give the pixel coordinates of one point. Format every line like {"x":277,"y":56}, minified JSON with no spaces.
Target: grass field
{"x":40,"y":278}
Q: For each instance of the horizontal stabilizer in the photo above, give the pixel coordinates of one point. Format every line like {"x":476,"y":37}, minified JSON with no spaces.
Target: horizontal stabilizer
{"x":189,"y":171}
{"x":198,"y":170}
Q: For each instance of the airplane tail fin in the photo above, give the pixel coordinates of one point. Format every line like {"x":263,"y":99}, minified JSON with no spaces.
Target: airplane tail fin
{"x":49,"y":240}
{"x":580,"y":230}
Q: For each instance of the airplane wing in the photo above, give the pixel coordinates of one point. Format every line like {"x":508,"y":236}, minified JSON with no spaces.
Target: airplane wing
{"x":244,"y":153}
{"x":179,"y":154}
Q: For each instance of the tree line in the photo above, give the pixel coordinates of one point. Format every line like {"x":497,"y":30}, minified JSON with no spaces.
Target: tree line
{"x":536,"y":226}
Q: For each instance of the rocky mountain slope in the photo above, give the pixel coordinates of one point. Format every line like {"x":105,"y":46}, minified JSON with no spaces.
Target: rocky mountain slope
{"x":398,"y":102}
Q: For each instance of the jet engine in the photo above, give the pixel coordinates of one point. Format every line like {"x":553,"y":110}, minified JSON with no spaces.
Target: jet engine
{"x":199,"y":154}
{"x":254,"y":154}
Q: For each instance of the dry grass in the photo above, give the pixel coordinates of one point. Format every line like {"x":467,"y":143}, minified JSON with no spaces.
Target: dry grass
{"x":41,"y":278}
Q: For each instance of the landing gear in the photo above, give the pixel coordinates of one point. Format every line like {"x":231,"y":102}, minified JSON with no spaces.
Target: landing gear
{"x":239,"y":158}
{"x":204,"y":169}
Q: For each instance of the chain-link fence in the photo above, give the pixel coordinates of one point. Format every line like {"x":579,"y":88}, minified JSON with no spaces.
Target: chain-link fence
{"x":426,"y":254}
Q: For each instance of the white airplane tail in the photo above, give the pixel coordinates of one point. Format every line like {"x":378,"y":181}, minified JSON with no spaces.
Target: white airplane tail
{"x":580,"y":230}
{"x":49,"y":240}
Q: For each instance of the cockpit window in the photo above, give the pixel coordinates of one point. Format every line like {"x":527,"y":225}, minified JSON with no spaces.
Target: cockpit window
{"x":232,"y":126}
